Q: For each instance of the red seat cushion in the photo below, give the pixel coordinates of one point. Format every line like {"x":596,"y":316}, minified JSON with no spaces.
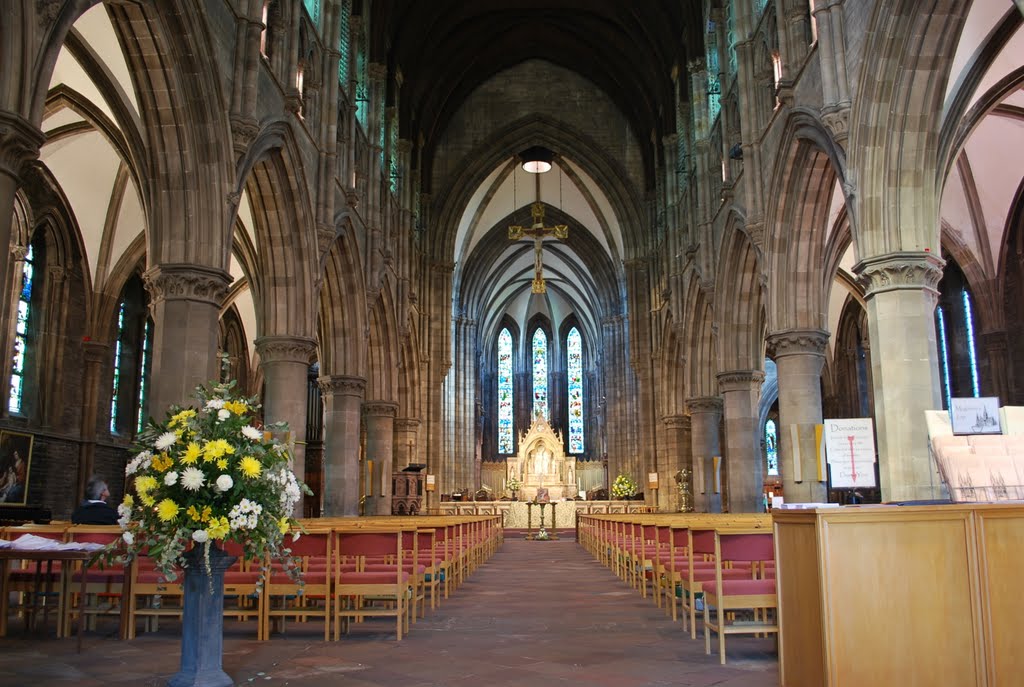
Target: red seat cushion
{"x":740,"y":587}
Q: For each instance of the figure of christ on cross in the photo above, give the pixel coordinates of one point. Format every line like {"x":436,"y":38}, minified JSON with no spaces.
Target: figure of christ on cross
{"x":538,"y":231}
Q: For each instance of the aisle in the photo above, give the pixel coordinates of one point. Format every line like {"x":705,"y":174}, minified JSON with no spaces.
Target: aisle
{"x":538,"y":613}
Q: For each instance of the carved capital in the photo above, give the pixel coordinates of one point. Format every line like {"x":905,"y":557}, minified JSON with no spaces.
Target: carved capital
{"x":325,"y":236}
{"x":704,"y":404}
{"x":19,"y":144}
{"x":377,"y":71}
{"x":285,"y":349}
{"x":406,"y":424}
{"x":676,"y":421}
{"x":695,"y":66}
{"x":739,"y":380}
{"x":96,"y":352}
{"x":352,"y":198}
{"x":187,"y":282}
{"x":837,"y":120}
{"x":798,"y":342}
{"x":900,"y":271}
{"x":380,"y":408}
{"x":342,"y":385}
{"x":243,"y":132}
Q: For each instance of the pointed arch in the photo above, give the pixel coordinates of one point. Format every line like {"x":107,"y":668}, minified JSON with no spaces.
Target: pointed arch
{"x":382,"y":358}
{"x":700,"y":345}
{"x":740,"y":317}
{"x":343,"y":327}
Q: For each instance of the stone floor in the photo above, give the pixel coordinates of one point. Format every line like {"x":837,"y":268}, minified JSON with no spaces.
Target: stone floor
{"x":538,"y":613}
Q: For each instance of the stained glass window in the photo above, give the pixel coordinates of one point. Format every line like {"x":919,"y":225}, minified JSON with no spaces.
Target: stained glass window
{"x":362,"y":83}
{"x":731,"y":39}
{"x":345,"y":45}
{"x":714,"y":81}
{"x":771,"y":445}
{"x":972,"y":352}
{"x":313,"y":7}
{"x":574,"y":346}
{"x":540,"y":374}
{"x":947,"y":392}
{"x":505,"y":425}
{"x":14,"y":402}
{"x":147,"y":357}
{"x":115,"y":395}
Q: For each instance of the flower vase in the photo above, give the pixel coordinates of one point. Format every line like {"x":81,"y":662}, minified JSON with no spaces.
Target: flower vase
{"x":202,"y":622}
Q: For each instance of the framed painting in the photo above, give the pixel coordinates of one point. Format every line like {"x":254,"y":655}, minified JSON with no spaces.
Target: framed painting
{"x":15,"y":464}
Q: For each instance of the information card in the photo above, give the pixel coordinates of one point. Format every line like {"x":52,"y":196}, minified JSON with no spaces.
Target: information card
{"x":850,"y":448}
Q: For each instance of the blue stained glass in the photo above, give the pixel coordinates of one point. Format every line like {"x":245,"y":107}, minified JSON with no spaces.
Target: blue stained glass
{"x":505,"y":424}
{"x":540,"y":374}
{"x":345,"y":45}
{"x":971,"y":350}
{"x":944,"y":355}
{"x":17,"y":386}
{"x":771,"y":444}
{"x":313,"y":7}
{"x":574,"y":346}
{"x":147,"y":336}
{"x":117,"y":369}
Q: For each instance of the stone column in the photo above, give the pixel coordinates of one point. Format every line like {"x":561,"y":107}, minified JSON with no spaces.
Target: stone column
{"x":285,"y":364}
{"x":185,"y":302}
{"x":20,"y":142}
{"x":407,"y":449}
{"x":799,"y":357}
{"x":705,"y":418}
{"x":745,"y":474}
{"x":96,"y":356}
{"x":677,"y":441}
{"x":380,"y":445}
{"x":343,"y":401}
{"x":901,"y":293}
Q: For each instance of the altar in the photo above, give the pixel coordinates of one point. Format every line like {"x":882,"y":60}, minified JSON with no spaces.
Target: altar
{"x":542,"y":464}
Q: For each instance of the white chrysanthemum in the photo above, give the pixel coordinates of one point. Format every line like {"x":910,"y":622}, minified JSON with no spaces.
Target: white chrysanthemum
{"x":165,"y":441}
{"x":223,"y":414}
{"x":124,"y":509}
{"x":170,"y":478}
{"x":200,"y":536}
{"x":215,"y":404}
{"x":252,"y":433}
{"x":224,"y":482}
{"x":128,"y":537}
{"x":192,"y":478}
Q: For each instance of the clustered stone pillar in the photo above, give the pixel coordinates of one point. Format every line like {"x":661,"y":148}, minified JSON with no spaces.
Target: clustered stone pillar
{"x":799,"y":357}
{"x":677,"y":436}
{"x":380,"y":446}
{"x":705,"y":418}
{"x":185,"y":301}
{"x":745,"y":472}
{"x":343,"y":403}
{"x":901,"y":293}
{"x":285,"y":364}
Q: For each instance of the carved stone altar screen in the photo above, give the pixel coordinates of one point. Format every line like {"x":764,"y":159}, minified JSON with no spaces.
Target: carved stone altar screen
{"x":542,"y":462}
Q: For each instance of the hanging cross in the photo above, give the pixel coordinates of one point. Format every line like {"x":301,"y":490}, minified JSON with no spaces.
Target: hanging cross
{"x":538,"y":231}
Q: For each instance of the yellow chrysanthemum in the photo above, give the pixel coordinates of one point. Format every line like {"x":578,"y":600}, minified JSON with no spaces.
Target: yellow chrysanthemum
{"x":182,"y":417}
{"x":144,"y":483}
{"x":192,"y":453}
{"x":236,"y":407}
{"x":128,"y":500}
{"x":216,"y":449}
{"x":162,"y":462}
{"x":167,"y":510}
{"x":222,"y":463}
{"x":146,"y":499}
{"x":197,"y":515}
{"x":218,"y":528}
{"x":284,"y":525}
{"x":250,"y":467}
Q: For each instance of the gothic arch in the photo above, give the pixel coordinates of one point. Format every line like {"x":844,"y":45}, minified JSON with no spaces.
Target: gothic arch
{"x":672,"y":383}
{"x":701,"y":362}
{"x":342,"y":310}
{"x":382,"y":358}
{"x":740,"y":303}
{"x":284,"y":227}
{"x":797,"y":230}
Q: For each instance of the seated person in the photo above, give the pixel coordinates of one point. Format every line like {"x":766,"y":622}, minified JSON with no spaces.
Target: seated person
{"x":94,"y":509}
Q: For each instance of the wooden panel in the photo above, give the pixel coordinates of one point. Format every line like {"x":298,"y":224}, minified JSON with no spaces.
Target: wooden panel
{"x":801,"y":649}
{"x":1002,"y":565}
{"x":898,"y":589}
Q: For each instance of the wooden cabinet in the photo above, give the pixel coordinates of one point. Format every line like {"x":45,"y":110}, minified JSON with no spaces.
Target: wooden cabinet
{"x":900,"y":595}
{"x":407,"y":493}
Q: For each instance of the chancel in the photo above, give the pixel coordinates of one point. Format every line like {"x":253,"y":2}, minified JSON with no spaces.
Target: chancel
{"x":633,"y":255}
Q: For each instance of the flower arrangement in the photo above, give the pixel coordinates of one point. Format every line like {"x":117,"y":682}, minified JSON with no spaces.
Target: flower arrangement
{"x":208,"y":475}
{"x":624,"y":487}
{"x":513,"y":484}
{"x":542,"y":535}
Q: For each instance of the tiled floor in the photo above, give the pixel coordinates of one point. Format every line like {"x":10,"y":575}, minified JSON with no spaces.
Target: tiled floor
{"x":538,"y":613}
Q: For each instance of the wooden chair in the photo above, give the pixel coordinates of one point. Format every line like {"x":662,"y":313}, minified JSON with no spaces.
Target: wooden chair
{"x":353,"y":587}
{"x":151,"y":595}
{"x":701,"y":568}
{"x":101,"y":583}
{"x":22,"y":578}
{"x":286,"y":598}
{"x":726,"y":595}
{"x":243,"y":599}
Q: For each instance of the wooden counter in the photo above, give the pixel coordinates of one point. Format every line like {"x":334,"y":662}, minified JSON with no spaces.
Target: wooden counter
{"x":901,"y":595}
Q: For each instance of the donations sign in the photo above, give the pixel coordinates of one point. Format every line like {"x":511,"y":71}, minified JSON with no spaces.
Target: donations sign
{"x":850,"y":451}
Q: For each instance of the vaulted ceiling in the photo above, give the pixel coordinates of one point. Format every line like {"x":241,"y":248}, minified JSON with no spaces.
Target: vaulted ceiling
{"x":447,"y":48}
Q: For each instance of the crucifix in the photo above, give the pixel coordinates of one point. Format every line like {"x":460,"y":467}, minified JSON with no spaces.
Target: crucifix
{"x":538,"y":231}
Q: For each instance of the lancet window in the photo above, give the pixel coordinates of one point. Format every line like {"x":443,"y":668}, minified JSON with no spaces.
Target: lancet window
{"x":574,"y":370}
{"x":771,"y":446}
{"x":539,"y":346}
{"x":21,"y":333}
{"x":133,"y":354}
{"x":505,"y":421}
{"x":955,"y":329}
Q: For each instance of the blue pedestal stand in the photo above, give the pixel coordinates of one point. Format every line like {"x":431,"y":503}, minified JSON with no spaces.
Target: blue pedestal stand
{"x":202,"y":623}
